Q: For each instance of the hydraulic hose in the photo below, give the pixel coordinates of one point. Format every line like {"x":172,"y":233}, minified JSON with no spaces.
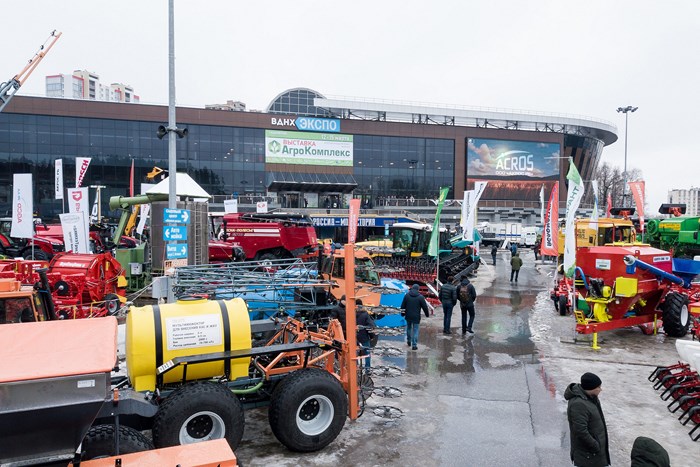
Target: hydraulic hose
{"x":632,"y":262}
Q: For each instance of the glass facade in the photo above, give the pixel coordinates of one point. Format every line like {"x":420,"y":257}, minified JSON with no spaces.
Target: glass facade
{"x":403,"y":167}
{"x":222,"y":159}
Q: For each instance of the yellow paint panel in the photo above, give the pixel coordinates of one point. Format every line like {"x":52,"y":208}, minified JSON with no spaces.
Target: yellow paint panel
{"x":625,"y":287}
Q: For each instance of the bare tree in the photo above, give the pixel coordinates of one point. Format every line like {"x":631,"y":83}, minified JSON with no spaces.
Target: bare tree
{"x":610,"y":182}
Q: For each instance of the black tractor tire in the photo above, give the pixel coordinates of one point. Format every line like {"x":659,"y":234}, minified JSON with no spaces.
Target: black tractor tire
{"x":197,"y":412}
{"x":99,"y":442}
{"x":308,"y":410}
{"x":39,"y":255}
{"x":112,"y":303}
{"x":563,"y":306}
{"x":675,"y":316}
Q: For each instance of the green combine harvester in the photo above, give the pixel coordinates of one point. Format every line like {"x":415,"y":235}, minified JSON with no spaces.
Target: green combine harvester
{"x":679,"y":234}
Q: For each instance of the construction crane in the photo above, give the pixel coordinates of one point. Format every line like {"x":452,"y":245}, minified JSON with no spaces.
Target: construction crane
{"x":9,"y":88}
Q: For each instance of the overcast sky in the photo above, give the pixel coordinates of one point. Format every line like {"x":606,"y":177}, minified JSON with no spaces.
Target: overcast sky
{"x":570,"y":57}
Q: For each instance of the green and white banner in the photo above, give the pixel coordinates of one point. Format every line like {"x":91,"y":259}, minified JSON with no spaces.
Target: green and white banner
{"x":295,"y":147}
{"x":573,"y":199}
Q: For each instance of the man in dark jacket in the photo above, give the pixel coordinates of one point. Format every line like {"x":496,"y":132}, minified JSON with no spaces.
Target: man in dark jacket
{"x":466,"y":293}
{"x":494,"y":252}
{"x":364,"y":324}
{"x":448,"y":298}
{"x":589,"y":434}
{"x":515,"y":263}
{"x":412,"y":304}
{"x":339,"y":313}
{"x":648,"y":453}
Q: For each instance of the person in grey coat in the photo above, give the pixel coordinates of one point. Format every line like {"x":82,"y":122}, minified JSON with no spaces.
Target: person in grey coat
{"x":448,"y":298}
{"x":589,"y":434}
{"x":412,"y":304}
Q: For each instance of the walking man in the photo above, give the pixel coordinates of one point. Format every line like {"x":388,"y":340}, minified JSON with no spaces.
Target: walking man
{"x":364,"y":324}
{"x":494,"y":252}
{"x":412,"y":304}
{"x":448,"y":298}
{"x":515,"y":264}
{"x":466,"y":293}
{"x":589,"y":434}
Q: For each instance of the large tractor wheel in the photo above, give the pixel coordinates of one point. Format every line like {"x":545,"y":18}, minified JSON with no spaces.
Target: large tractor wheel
{"x":563,"y":305}
{"x":198,"y":412}
{"x":675,"y":314}
{"x":39,"y":255}
{"x":99,"y":442}
{"x":307,"y":410}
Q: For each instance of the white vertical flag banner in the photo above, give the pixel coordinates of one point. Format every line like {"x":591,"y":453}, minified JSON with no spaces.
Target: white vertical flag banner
{"x":573,"y":199}
{"x":466,"y":209}
{"x":145,"y":210}
{"x":594,"y":214}
{"x":78,"y":202}
{"x":81,"y":166}
{"x":58,"y":176}
{"x":22,"y":206}
{"x":478,"y":190}
{"x":93,"y":212}
{"x":74,"y":236}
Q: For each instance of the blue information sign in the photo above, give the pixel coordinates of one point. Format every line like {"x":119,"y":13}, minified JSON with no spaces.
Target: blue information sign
{"x":176,"y":250}
{"x":179,"y":216}
{"x":174,"y":232}
{"x":328,"y":125}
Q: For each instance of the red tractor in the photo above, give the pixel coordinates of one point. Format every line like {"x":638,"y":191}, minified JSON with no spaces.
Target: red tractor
{"x":633,"y":285}
{"x":264,"y":236}
{"x":42,"y":247}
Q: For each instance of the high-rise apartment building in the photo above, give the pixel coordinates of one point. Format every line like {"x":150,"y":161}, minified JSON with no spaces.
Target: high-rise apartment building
{"x":691,"y":199}
{"x":82,"y":84}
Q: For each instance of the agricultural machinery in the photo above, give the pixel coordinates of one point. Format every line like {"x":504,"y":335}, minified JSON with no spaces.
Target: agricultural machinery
{"x":266,"y":236}
{"x":680,"y":383}
{"x":407,"y":258}
{"x":680,"y":235}
{"x":606,"y":231}
{"x":79,"y":285}
{"x":622,"y":286}
{"x":41,"y":247}
{"x":191,"y":371}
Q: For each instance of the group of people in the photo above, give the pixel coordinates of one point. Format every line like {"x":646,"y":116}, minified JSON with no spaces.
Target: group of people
{"x":364,"y":323}
{"x":589,"y":433}
{"x":414,"y":304}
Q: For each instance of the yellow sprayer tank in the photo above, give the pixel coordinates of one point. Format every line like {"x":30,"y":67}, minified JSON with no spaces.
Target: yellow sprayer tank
{"x":157,"y":333}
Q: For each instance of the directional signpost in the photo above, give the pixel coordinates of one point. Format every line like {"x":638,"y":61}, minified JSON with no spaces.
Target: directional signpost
{"x":177,"y":216}
{"x":174,"y":233}
{"x":176,"y":251}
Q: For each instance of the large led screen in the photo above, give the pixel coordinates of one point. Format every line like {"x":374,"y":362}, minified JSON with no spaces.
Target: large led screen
{"x":296,"y":147}
{"x":515,"y":170}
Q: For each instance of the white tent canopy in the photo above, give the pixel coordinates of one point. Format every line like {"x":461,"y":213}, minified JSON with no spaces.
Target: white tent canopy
{"x":184,"y":185}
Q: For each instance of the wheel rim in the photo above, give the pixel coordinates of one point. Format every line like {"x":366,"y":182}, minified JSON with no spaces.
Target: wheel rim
{"x":684,"y":315}
{"x":202,"y":426}
{"x":315,"y":415}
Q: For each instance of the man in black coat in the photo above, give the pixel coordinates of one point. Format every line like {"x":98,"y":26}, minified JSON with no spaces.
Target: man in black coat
{"x":339,"y":313}
{"x":466,"y":293}
{"x":364,"y":324}
{"x":589,"y":434}
{"x":448,"y":298}
{"x":412,"y":304}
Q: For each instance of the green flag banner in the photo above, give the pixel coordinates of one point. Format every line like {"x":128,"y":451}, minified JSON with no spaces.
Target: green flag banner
{"x":435,"y":236}
{"x":573,"y":199}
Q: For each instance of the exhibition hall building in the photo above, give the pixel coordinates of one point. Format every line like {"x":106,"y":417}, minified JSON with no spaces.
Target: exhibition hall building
{"x":304,"y":150}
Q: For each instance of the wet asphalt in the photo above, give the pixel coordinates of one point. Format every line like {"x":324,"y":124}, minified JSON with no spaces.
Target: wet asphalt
{"x":459,"y":400}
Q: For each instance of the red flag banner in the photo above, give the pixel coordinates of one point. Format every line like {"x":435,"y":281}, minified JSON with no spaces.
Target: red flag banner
{"x":638,"y":193}
{"x":608,"y":208}
{"x":353,"y":219}
{"x":550,"y":234}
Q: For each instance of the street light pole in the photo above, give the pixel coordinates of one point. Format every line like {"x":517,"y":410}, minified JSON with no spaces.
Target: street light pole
{"x":625,"y":110}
